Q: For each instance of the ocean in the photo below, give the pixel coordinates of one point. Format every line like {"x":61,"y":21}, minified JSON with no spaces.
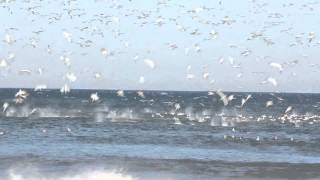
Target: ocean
{"x":158,"y":135}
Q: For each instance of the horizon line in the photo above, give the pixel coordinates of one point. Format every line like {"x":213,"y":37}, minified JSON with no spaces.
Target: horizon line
{"x":159,"y":90}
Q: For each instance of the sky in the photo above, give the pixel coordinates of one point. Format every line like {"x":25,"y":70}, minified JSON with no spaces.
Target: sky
{"x":194,"y":45}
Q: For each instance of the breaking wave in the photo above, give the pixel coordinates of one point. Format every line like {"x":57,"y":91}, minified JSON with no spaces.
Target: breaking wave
{"x":94,"y":175}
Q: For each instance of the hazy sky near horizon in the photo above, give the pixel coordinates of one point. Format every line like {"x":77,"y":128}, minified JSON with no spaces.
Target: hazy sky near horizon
{"x":228,"y":45}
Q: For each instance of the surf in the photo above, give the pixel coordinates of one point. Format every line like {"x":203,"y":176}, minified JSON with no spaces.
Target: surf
{"x":92,"y":175}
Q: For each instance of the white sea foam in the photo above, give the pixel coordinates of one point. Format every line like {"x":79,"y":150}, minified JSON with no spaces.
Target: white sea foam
{"x":94,"y":175}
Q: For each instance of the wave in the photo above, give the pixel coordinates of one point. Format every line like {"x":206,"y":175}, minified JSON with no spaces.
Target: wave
{"x":225,"y":117}
{"x":94,"y":175}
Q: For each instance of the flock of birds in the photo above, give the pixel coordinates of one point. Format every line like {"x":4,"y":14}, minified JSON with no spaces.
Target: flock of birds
{"x":200,"y":24}
{"x":100,"y":25}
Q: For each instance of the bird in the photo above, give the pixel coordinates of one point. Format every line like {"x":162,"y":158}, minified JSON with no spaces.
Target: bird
{"x":272,"y":81}
{"x":223,"y":98}
{"x":5,"y":106}
{"x":141,"y":79}
{"x":120,"y":93}
{"x":269,"y":103}
{"x":289,"y":108}
{"x":150,"y":63}
{"x":8,"y":39}
{"x":277,"y":66}
{"x":243,"y":101}
{"x":3,"y":63}
{"x":22,"y":94}
{"x":66,"y":60}
{"x":94,"y":97}
{"x":141,"y":94}
{"x":190,"y":76}
{"x":205,"y":75}
{"x":25,"y":72}
{"x":40,"y":87}
{"x":67,"y":36}
{"x":65,"y":89}
{"x":71,"y":77}
{"x":104,"y":52}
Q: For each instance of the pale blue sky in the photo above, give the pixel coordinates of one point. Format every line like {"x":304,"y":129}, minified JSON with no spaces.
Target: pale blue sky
{"x":286,"y":23}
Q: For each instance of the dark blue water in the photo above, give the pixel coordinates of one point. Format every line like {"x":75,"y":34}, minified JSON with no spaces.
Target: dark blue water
{"x":160,"y":135}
